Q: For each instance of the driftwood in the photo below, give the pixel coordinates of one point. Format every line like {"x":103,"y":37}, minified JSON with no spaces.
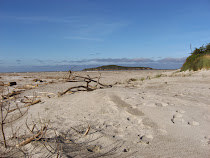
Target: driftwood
{"x":26,"y":99}
{"x":88,"y":80}
{"x":69,"y":75}
{"x":34,"y":137}
{"x":47,"y":94}
{"x":4,"y":113}
{"x":12,"y":83}
{"x":38,"y":80}
{"x":87,"y":131}
{"x":31,"y":96}
{"x":1,"y":83}
{"x":91,"y":80}
{"x":33,"y":102}
{"x":26,"y":87}
{"x":29,"y":104}
{"x":76,"y":78}
{"x":69,"y":90}
{"x":13,"y":93}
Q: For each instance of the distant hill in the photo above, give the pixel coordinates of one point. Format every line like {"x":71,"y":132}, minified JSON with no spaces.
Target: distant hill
{"x":199,"y":59}
{"x":116,"y":67}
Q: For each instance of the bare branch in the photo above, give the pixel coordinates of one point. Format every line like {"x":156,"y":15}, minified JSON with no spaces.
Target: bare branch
{"x":30,"y":139}
{"x":87,"y":131}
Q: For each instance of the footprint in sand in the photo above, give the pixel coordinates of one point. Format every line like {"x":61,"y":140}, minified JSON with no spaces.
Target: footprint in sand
{"x":146,"y":122}
{"x":147,"y":138}
{"x":178,"y":117}
{"x":193,"y":123}
{"x":122,"y":104}
{"x":207,"y":138}
{"x":161,"y":104}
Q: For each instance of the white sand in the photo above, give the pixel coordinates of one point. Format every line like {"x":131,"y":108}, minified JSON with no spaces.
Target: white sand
{"x":167,"y":116}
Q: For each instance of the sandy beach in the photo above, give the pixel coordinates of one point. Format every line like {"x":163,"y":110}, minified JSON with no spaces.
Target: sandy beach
{"x":136,"y":114}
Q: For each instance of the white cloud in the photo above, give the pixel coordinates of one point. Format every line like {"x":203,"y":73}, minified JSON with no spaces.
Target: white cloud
{"x":121,"y":61}
{"x":76,"y":27}
{"x":172,"y":60}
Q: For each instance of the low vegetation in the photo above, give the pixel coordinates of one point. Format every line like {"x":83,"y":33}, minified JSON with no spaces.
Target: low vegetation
{"x":199,"y":59}
{"x":116,"y":67}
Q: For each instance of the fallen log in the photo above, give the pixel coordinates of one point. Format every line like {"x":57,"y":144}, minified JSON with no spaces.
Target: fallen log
{"x":69,"y":89}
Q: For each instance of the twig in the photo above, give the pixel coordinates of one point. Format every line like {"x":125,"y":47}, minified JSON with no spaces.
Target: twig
{"x":98,"y":80}
{"x":32,"y":103}
{"x":30,"y":139}
{"x":94,"y":81}
{"x":46,"y":93}
{"x":11,"y":94}
{"x":27,"y":105}
{"x":28,"y":127}
{"x":19,"y":109}
{"x":87,"y":131}
{"x":18,"y":116}
{"x":2,"y":126}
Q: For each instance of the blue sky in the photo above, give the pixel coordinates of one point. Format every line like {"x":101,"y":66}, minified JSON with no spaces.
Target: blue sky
{"x":82,"y":32}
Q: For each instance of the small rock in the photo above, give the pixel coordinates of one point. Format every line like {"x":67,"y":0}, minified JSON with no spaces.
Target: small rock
{"x":128,"y":119}
{"x":125,"y":150}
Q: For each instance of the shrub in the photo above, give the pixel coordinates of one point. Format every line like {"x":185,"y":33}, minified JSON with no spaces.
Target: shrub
{"x":199,"y":59}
